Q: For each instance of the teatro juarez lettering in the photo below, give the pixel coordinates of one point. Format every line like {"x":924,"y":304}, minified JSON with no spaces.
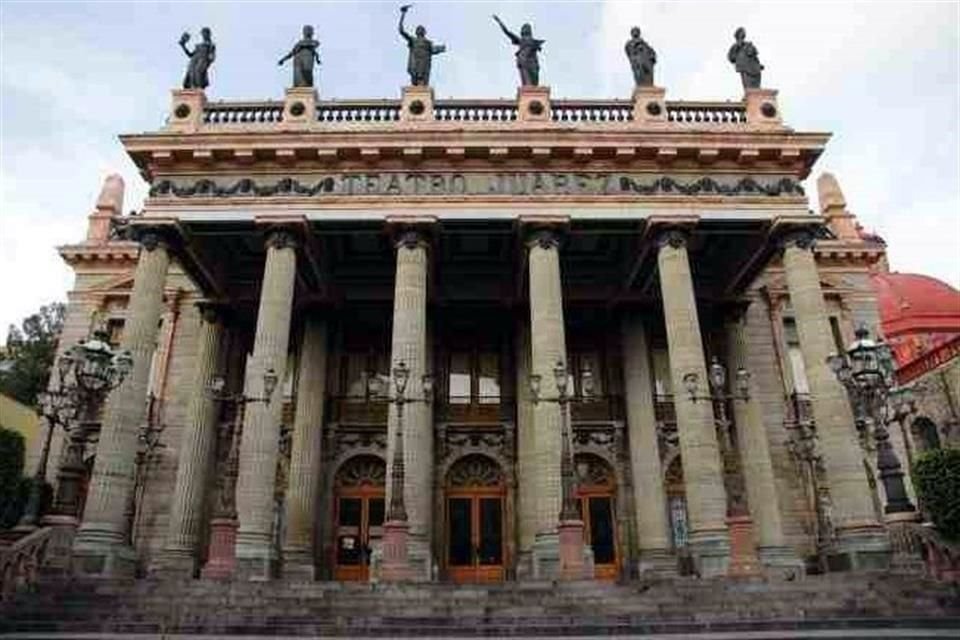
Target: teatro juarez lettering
{"x":531,"y":183}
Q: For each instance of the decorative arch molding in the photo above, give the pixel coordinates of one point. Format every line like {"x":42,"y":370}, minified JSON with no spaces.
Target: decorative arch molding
{"x":361,"y":470}
{"x":475,"y":470}
{"x":595,"y":470}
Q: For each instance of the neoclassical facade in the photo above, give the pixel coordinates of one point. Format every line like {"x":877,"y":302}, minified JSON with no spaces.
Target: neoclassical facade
{"x":320,"y":243}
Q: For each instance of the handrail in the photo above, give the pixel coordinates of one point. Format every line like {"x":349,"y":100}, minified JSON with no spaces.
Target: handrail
{"x":591,"y":111}
{"x":358,"y":111}
{"x":707,"y":112}
{"x":453,"y":110}
{"x":242,"y":112}
{"x":21,"y":560}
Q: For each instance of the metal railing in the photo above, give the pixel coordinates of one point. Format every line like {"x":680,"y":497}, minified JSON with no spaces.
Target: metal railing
{"x":20,"y":561}
{"x":707,"y":112}
{"x":242,"y":112}
{"x":591,"y":111}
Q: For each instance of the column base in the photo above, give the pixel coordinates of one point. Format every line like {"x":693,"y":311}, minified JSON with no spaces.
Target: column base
{"x":395,"y":565}
{"x":781,"y":562}
{"x":572,"y":565}
{"x":174,"y":562}
{"x":860,"y":548}
{"x":744,"y":562}
{"x":222,"y":558}
{"x":59,"y":553}
{"x":906,"y":555}
{"x":298,"y":565}
{"x":256,"y":558}
{"x":656,"y":563}
{"x":711,"y":552}
{"x":545,"y":556}
{"x":103,"y":553}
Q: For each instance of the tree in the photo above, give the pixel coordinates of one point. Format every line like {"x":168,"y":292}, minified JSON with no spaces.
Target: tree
{"x":29,"y":353}
{"x":14,"y":487}
{"x":936,"y":477}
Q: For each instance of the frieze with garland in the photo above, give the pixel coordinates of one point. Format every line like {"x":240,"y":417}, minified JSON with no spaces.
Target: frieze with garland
{"x":480,"y":184}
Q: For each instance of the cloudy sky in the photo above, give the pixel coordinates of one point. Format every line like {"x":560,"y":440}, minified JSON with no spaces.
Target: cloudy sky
{"x":884,"y":77}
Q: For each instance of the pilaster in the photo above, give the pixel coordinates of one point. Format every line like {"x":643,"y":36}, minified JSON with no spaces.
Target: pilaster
{"x":649,"y":105}
{"x":259,"y":447}
{"x":699,"y":450}
{"x":861,"y":542}
{"x":186,"y":110}
{"x":102,"y":547}
{"x":305,"y":455}
{"x":533,"y":104}
{"x":762,"y":108}
{"x":300,"y":107}
{"x":416,"y":104}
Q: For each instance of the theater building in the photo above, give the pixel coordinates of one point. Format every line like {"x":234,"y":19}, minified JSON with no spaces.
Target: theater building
{"x":479,"y":242}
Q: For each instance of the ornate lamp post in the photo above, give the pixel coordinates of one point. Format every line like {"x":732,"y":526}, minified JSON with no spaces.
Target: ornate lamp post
{"x":743,"y":554}
{"x":396,"y":565}
{"x":866,"y":371}
{"x":223,"y":526}
{"x":86,"y":373}
{"x":571,"y":523}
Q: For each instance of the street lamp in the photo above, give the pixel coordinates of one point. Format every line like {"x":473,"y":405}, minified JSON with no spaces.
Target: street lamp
{"x":86,"y":373}
{"x":217,"y":390}
{"x":866,"y":371}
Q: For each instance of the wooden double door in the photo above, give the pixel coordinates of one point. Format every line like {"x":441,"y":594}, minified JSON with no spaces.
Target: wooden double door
{"x":475,"y":549}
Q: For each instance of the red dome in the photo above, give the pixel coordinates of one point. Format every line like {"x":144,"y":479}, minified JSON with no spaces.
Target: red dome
{"x":912,"y":303}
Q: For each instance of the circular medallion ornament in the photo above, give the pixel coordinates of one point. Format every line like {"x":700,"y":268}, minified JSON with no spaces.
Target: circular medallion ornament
{"x":535,"y":107}
{"x":182,"y":111}
{"x":417,"y":107}
{"x":654,"y":109}
{"x":297,"y":109}
{"x":768,"y":110}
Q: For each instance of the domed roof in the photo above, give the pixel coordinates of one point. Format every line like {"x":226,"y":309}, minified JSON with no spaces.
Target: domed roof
{"x":910,"y":302}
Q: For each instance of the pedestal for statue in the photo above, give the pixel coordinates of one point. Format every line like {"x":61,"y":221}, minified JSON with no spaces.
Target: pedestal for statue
{"x":60,"y":544}
{"x":416,"y":103}
{"x":186,"y":110}
{"x":300,"y":106}
{"x":533,"y":104}
{"x":906,"y":554}
{"x":572,"y":566}
{"x":649,"y":105}
{"x":396,"y":561}
{"x":221,"y":562}
{"x":744,"y":562}
{"x":762,"y":108}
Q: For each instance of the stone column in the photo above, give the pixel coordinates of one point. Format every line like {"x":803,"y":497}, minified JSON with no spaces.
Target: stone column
{"x":409,"y":345}
{"x":650,"y":501}
{"x":196,"y":453}
{"x":703,"y":479}
{"x":757,"y":465}
{"x":303,"y":491}
{"x":547,"y":346}
{"x":861,"y":542}
{"x":101,"y":546}
{"x":526,"y":450}
{"x":259,"y":447}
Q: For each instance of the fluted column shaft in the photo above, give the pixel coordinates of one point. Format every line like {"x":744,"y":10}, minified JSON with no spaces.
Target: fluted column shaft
{"x":196,"y":449}
{"x":302,"y":494}
{"x":547,"y":346}
{"x":650,"y":499}
{"x":409,"y":345}
{"x":757,"y":465}
{"x":526,"y":447}
{"x":853,"y":515}
{"x":259,"y":447}
{"x":699,"y":451}
{"x":101,"y":545}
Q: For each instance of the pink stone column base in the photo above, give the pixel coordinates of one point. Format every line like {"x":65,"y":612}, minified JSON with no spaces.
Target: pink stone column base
{"x":396,"y":565}
{"x":571,"y":550}
{"x":744,"y":561}
{"x":223,"y":541}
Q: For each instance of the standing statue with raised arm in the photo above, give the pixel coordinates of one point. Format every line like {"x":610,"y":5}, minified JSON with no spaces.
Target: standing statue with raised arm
{"x":421,"y":49}
{"x":202,"y":56}
{"x":642,"y":58}
{"x":745,"y":59}
{"x":304,"y":55}
{"x":527,"y":48}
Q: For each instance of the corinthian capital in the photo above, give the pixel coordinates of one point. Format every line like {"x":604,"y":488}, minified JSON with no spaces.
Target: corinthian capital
{"x":544,"y":239}
{"x":800,"y":238}
{"x":280,"y":238}
{"x":674,"y":237}
{"x":411,"y":238}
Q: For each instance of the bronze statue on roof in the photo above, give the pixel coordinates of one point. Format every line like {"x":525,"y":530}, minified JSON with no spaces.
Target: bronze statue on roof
{"x":527,"y":48}
{"x":304,"y":55}
{"x":421,"y":49}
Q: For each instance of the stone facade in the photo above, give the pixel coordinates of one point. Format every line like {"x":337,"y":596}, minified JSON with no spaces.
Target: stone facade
{"x":480,"y":247}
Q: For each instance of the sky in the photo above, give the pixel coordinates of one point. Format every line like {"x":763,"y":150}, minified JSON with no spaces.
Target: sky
{"x":883,"y":77}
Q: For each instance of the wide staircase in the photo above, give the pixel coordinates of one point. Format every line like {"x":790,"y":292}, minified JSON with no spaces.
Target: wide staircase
{"x":851,"y":605}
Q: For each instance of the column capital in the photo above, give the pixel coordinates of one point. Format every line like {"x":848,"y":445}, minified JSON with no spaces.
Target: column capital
{"x":802,"y":238}
{"x":282,"y":237}
{"x":411,"y":238}
{"x":213,"y":311}
{"x":675,"y":237}
{"x":544,"y":238}
{"x":149,"y":237}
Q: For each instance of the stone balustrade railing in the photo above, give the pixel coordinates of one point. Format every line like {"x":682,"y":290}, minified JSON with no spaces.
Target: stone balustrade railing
{"x":335,"y":112}
{"x":20,"y":560}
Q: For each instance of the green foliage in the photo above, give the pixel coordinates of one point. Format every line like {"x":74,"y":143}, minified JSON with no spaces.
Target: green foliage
{"x":14,"y":488}
{"x":936,"y":477}
{"x":26,"y":360}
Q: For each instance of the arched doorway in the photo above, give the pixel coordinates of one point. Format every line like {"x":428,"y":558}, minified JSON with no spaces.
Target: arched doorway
{"x":358,"y":514}
{"x":474,"y":543}
{"x":597,"y":491}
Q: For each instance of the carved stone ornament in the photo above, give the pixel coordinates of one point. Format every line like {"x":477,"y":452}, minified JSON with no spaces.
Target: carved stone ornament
{"x":211,"y":312}
{"x":149,"y":238}
{"x":411,"y":239}
{"x":801,"y":238}
{"x":281,"y":239}
{"x":475,"y":471}
{"x":362,"y":470}
{"x":676,"y":238}
{"x":544,"y":239}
